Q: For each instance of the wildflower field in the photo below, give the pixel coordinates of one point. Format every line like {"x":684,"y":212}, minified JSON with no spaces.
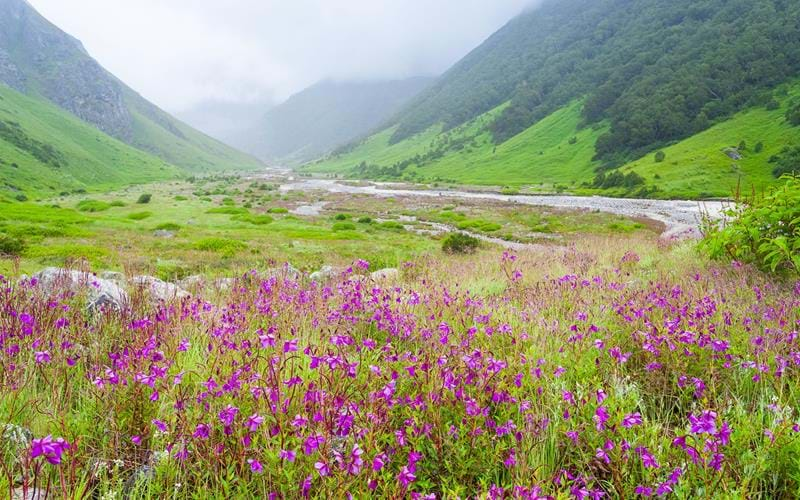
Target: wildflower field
{"x":609,"y":368}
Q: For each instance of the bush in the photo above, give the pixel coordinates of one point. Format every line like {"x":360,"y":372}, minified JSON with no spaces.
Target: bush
{"x":391,"y":225}
{"x":278,"y":210}
{"x":11,"y":246}
{"x":765,"y":232}
{"x":786,"y":162}
{"x":759,"y":147}
{"x":117,"y":203}
{"x":228,"y":211}
{"x":341,"y":217}
{"x":181,"y":198}
{"x":144,"y":199}
{"x":168,"y":226}
{"x":793,"y":115}
{"x":258,"y":220}
{"x":93,"y":206}
{"x":460,"y":243}
{"x":660,"y":156}
{"x":21,"y":197}
{"x":365,"y":220}
{"x":140,"y":215}
{"x":344,"y":226}
{"x":224,"y":246}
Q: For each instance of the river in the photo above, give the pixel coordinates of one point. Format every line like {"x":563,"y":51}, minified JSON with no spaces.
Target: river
{"x":682,"y":218}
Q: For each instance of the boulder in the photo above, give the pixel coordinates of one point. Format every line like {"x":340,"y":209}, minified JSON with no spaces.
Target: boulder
{"x":326,"y":273}
{"x":158,"y":289}
{"x":102,"y":293}
{"x":194,"y":282}
{"x":163,"y":233}
{"x":388,"y":274}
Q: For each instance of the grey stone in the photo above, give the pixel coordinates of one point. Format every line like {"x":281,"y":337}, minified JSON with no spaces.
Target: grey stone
{"x":388,"y":274}
{"x":163,"y":233}
{"x":158,"y":289}
{"x":102,"y":293}
{"x":326,"y":273}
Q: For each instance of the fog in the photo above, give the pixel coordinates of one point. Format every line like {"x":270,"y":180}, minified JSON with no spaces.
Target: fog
{"x":184,"y":54}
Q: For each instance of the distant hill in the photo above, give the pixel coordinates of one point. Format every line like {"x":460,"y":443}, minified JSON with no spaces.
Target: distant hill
{"x":44,"y":150}
{"x":224,"y":120}
{"x":579,"y":88}
{"x":40,"y":60}
{"x":326,"y":116}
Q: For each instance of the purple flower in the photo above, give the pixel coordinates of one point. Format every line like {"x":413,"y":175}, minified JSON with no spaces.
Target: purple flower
{"x":255,"y":465}
{"x":705,"y":423}
{"x":50,"y":448}
{"x":601,"y":416}
{"x":228,"y":415}
{"x":159,"y":425}
{"x":643,"y":491}
{"x":254,"y":421}
{"x":406,"y":477}
{"x":287,"y":455}
{"x":648,"y":460}
{"x":322,"y":469}
{"x":632,"y":420}
{"x":202,"y":431}
{"x":41,"y":357}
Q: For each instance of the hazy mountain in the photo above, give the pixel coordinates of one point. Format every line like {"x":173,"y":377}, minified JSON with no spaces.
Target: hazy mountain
{"x":576,"y":87}
{"x":325,"y":116}
{"x":225,"y":120}
{"x":38,"y":59}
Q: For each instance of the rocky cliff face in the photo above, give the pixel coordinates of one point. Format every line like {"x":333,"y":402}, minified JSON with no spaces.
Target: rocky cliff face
{"x":38,"y":58}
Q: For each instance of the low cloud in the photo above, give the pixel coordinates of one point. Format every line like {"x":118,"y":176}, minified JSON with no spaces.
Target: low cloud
{"x":182,"y":52}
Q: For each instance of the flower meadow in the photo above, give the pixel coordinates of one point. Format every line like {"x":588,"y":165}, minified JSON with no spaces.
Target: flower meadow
{"x":610,"y":373}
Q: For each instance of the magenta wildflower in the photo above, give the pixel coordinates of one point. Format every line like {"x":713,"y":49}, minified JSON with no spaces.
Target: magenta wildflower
{"x":255,"y":465}
{"x":631,"y":420}
{"x":322,"y":468}
{"x":406,"y":477}
{"x":287,"y":455}
{"x":705,"y":423}
{"x":51,"y":449}
{"x":254,"y":421}
{"x":41,"y":357}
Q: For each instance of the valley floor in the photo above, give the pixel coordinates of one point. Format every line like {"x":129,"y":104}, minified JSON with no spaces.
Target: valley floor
{"x":577,"y":353}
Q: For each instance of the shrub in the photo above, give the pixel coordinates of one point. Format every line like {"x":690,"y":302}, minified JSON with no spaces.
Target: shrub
{"x":391,"y":225}
{"x":480,"y":225}
{"x":759,"y":147}
{"x":93,"y":206}
{"x":258,"y":220}
{"x":786,"y":162}
{"x":660,"y":156}
{"x":11,"y":246}
{"x":181,"y":198}
{"x":365,"y":220}
{"x":278,"y":210}
{"x":117,"y":203}
{"x":344,"y":226}
{"x":224,"y":246}
{"x":228,"y":211}
{"x":144,"y":199}
{"x":21,"y":197}
{"x":460,"y":243}
{"x":341,"y":217}
{"x":765,"y":231}
{"x":168,"y":226}
{"x":140,"y":215}
{"x":793,"y":115}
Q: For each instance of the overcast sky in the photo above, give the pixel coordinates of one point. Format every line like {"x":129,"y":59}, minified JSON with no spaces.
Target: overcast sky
{"x":181,"y":52}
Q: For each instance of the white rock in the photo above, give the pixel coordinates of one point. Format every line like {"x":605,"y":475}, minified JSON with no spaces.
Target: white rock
{"x":158,"y":289}
{"x":102,"y":293}
{"x":388,"y":274}
{"x":324,"y":274}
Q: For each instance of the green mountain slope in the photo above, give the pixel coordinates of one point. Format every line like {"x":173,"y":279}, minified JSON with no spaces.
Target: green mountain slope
{"x":327,"y":115}
{"x":45,"y":150}
{"x":558,"y":153}
{"x":38,"y":59}
{"x":647,"y":73}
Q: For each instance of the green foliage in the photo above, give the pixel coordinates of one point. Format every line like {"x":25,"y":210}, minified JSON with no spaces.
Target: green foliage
{"x":765,"y":231}
{"x":140,"y":215}
{"x":228,"y":211}
{"x":278,"y":210}
{"x":117,"y":203}
{"x":365,"y":220}
{"x":11,"y":246}
{"x":786,"y":162}
{"x":344,"y":226}
{"x":11,"y":132}
{"x":21,"y":197}
{"x":617,"y":179}
{"x":144,"y":199}
{"x":223,"y":246}
{"x":480,"y":225}
{"x":660,"y":156}
{"x":168,"y":226}
{"x":460,"y":243}
{"x":391,"y":225}
{"x":341,"y":217}
{"x":181,"y":198}
{"x":93,"y":206}
{"x":759,"y":147}
{"x":257,"y":220}
{"x":793,"y":114}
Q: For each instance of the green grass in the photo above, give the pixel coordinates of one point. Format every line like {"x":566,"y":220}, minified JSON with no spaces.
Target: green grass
{"x":556,"y":154}
{"x":698,"y":166}
{"x":89,"y":158}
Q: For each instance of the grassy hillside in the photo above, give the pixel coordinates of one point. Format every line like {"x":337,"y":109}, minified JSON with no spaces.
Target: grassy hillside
{"x":46,"y":150}
{"x":40,"y":60}
{"x":557,"y":153}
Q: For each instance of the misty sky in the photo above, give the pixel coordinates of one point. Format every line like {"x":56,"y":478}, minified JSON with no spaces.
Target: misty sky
{"x":181,"y":52}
